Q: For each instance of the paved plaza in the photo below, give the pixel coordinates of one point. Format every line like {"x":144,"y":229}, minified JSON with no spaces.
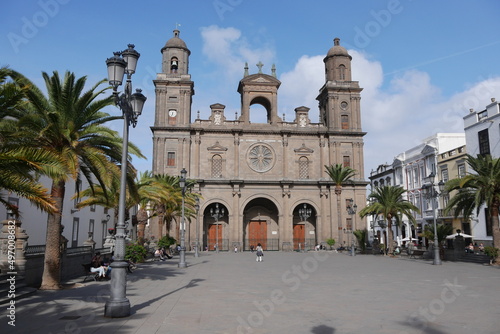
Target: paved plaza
{"x":314,"y":292}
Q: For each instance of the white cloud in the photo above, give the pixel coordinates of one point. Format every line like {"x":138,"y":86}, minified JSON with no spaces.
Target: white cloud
{"x":396,"y":114}
{"x":229,"y":51}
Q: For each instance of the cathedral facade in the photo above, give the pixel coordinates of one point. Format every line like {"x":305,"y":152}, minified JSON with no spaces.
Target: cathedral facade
{"x":261,"y":182}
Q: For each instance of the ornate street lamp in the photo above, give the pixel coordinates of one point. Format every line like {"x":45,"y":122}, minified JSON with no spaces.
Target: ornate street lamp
{"x":304,"y":214}
{"x":217,"y":214}
{"x":197,"y":208}
{"x":118,"y":306}
{"x":430,"y":192}
{"x":182,"y":254}
{"x":351,"y":209}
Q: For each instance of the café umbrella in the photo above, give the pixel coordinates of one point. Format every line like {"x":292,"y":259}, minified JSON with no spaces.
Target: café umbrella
{"x":452,"y":236}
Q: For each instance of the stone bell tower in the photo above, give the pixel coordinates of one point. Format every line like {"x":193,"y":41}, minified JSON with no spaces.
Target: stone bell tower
{"x":339,"y":98}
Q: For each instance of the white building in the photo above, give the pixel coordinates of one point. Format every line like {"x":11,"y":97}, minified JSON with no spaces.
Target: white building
{"x":482,"y":132}
{"x":410,"y":170}
{"x":77,"y":223}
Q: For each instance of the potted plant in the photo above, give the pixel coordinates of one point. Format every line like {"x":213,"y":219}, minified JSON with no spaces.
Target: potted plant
{"x":492,"y":252}
{"x":331,"y":243}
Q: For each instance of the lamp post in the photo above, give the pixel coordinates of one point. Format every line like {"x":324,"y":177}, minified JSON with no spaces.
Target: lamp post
{"x":304,"y":214}
{"x":197,"y":208}
{"x":182,"y":254}
{"x":217,"y":214}
{"x":351,"y":209}
{"x":431,"y":193}
{"x":124,"y":62}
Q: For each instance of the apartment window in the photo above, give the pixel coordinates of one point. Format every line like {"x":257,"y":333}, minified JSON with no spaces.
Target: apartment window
{"x":74,"y":234}
{"x":444,"y":175}
{"x":303,"y":168}
{"x":91,"y":228}
{"x":461,"y":170}
{"x":171,"y":159}
{"x":484,"y":142}
{"x":104,"y":231}
{"x":217,"y":166}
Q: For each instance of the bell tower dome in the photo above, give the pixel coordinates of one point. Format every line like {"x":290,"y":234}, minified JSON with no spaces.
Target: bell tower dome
{"x":175,"y":56}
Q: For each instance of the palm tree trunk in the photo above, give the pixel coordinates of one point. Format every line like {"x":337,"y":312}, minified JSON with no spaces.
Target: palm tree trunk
{"x":390,"y":237}
{"x":339,"y":219}
{"x":496,"y":230}
{"x":51,"y":278}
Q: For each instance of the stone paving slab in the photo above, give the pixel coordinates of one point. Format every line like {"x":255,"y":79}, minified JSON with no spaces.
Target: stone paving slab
{"x":314,"y":292}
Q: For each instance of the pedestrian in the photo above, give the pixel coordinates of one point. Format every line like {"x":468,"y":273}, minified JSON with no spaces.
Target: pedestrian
{"x":260,"y":252}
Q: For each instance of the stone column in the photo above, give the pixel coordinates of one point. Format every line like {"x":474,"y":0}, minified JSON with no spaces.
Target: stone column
{"x":13,"y":241}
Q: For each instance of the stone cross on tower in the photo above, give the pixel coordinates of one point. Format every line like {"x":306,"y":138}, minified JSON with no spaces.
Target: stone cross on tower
{"x":259,"y":65}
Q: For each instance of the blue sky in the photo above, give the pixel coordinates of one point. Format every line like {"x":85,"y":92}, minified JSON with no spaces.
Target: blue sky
{"x":422,"y":64}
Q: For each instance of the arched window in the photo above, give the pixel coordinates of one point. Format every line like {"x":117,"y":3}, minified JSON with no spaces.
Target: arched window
{"x":303,"y":168}
{"x":342,"y":71}
{"x":344,"y":119}
{"x":217,"y":166}
{"x":174,"y":65}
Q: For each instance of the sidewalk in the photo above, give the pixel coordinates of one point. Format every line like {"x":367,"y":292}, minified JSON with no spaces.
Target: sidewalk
{"x":314,"y":292}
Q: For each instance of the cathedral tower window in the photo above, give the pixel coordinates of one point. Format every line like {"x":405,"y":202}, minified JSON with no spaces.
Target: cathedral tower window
{"x":174,"y":65}
{"x":217,"y":166}
{"x":344,"y":119}
{"x":342,"y":71}
{"x":303,"y":168}
{"x":170,"y":159}
{"x":347,"y":161}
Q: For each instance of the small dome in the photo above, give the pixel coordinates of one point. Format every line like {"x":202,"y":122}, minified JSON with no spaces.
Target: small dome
{"x":175,"y":42}
{"x":337,"y":50}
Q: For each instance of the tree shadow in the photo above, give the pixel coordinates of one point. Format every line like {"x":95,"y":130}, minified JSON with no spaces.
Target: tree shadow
{"x":191,"y":284}
{"x":322,"y":329}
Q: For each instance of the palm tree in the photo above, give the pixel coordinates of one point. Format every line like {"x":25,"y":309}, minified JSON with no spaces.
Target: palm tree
{"x":69,"y":123}
{"x":109,"y":196}
{"x":389,"y":203}
{"x":442,"y":231}
{"x":482,"y":188}
{"x":340,"y":175}
{"x":20,"y":162}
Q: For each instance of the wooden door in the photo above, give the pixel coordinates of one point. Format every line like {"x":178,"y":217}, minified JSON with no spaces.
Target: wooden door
{"x":214,"y":236}
{"x":299,"y":236}
{"x":257,"y":233}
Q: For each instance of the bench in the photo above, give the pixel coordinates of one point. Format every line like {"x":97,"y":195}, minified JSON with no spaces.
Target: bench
{"x":88,"y":273}
{"x":416,"y":252}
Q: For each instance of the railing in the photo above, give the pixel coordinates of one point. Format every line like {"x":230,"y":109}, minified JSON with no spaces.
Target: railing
{"x":35,"y":250}
{"x":79,"y":250}
{"x":267,"y":244}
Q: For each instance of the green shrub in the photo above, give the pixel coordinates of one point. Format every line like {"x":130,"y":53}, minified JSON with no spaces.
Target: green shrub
{"x":166,"y":242}
{"x":330,"y":242}
{"x":135,"y":252}
{"x":491,"y":251}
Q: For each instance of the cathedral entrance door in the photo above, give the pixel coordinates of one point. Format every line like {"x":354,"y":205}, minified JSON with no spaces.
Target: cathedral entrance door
{"x":214,"y":236}
{"x":299,"y":236}
{"x":257,"y":233}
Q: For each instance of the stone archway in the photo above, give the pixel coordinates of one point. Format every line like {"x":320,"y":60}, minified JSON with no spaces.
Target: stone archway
{"x":260,"y":225}
{"x":304,"y":227}
{"x":215,"y":227}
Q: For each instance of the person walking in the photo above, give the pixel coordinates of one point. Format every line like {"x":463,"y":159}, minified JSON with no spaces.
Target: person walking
{"x":260,"y":253}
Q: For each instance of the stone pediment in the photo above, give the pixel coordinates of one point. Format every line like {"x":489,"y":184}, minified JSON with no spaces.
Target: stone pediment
{"x":428,"y":150}
{"x":303,"y":150}
{"x":217,"y":147}
{"x":259,"y":79}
